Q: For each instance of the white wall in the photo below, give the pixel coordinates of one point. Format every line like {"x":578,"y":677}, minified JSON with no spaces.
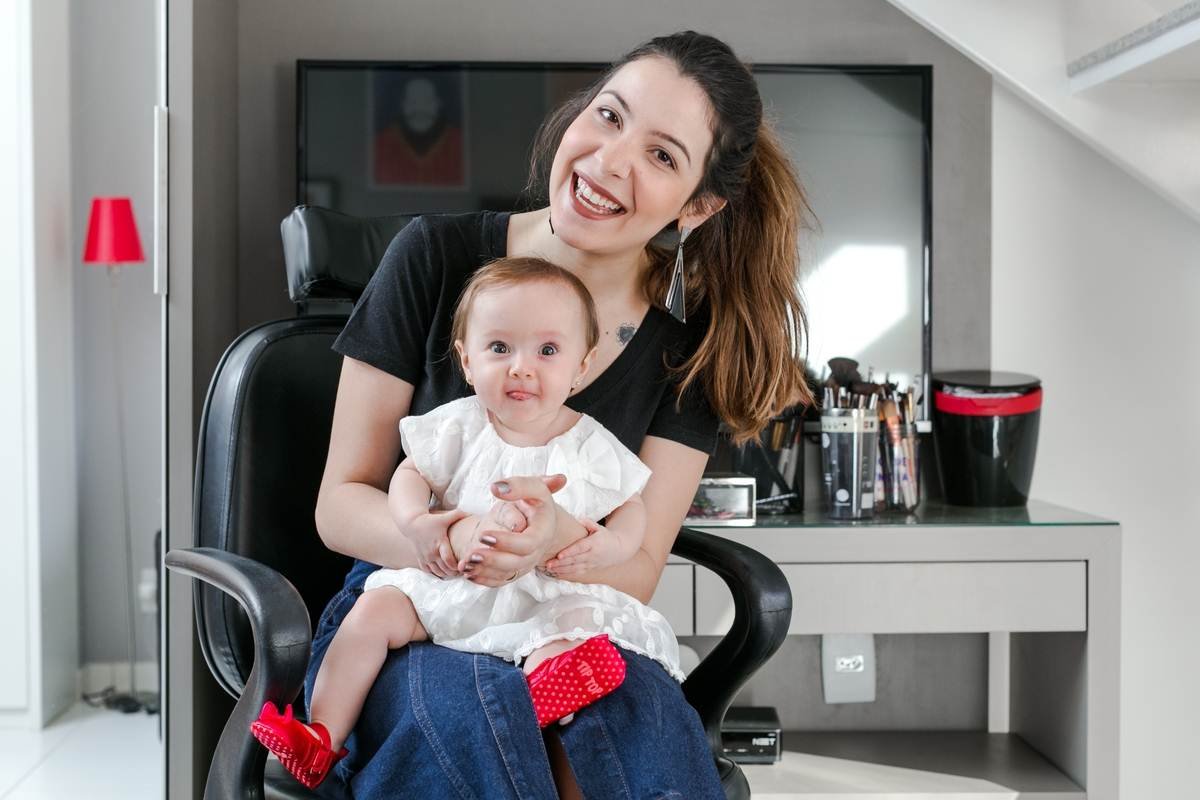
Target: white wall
{"x":1096,"y":289}
{"x":1148,"y":127}
{"x":14,"y":686}
{"x":38,"y":582}
{"x":113,"y":82}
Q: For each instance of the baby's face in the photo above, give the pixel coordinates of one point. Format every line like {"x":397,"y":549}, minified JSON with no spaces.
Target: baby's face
{"x":525,"y":348}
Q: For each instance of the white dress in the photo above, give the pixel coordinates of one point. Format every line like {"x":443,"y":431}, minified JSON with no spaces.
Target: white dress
{"x":458,"y":451}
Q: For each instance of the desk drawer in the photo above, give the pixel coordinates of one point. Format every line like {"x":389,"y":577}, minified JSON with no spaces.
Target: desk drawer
{"x":974,"y":597}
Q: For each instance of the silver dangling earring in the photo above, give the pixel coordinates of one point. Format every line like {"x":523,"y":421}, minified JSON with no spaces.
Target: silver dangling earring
{"x":675,"y":298}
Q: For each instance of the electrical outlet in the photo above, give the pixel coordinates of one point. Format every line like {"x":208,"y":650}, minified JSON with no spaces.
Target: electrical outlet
{"x":855,"y":663}
{"x":848,"y":667}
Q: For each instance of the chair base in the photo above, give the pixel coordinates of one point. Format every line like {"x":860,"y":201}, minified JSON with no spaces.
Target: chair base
{"x":733,"y":780}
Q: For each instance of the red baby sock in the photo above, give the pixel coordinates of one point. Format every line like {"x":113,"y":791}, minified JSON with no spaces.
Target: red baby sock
{"x":566,"y":683}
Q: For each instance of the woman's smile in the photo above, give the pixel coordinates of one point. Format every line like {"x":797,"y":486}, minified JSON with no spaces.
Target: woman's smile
{"x":592,"y":200}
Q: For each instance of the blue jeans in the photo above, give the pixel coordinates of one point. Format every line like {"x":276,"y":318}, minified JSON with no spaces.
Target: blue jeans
{"x":440,"y":723}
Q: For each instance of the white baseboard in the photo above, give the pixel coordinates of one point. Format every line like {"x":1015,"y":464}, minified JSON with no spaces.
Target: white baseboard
{"x":100,"y":675}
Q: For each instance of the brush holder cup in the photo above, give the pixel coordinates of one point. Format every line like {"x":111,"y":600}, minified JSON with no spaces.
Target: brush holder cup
{"x":985,"y":430}
{"x":848,"y":455}
{"x":776,"y":462}
{"x":897,"y":474}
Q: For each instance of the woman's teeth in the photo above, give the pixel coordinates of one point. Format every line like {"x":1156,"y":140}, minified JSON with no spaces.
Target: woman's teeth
{"x":593,"y":199}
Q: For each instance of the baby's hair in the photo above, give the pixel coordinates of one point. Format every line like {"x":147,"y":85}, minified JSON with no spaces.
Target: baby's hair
{"x":518,"y":271}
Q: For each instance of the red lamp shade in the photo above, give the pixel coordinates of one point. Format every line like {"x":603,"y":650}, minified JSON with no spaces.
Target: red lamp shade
{"x":112,"y":236}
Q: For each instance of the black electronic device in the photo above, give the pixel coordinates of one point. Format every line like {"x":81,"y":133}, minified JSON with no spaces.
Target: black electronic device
{"x":752,"y":735}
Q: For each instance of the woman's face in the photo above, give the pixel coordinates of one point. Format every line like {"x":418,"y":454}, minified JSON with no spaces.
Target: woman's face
{"x":627,"y":166}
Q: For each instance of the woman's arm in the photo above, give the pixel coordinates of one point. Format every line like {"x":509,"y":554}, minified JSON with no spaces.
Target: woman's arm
{"x":676,"y":469}
{"x":352,"y":513}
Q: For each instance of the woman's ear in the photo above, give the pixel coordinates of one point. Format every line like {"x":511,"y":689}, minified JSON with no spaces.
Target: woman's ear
{"x":462,"y":359}
{"x":695,"y":213}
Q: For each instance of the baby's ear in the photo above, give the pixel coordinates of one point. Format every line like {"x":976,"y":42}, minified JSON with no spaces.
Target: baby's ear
{"x":587,"y":362}
{"x":462,"y":358}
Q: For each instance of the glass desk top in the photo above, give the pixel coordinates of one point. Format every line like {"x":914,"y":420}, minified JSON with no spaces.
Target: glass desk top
{"x":1037,"y":512}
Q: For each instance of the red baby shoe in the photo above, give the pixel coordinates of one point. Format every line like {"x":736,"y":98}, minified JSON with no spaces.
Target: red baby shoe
{"x":307,"y":757}
{"x":566,"y":683}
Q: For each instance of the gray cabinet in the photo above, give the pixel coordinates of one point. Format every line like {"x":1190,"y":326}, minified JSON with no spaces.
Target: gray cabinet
{"x":1042,"y":582}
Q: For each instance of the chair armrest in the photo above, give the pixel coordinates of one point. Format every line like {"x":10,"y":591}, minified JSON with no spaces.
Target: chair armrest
{"x":762,"y":603}
{"x":282,"y":638}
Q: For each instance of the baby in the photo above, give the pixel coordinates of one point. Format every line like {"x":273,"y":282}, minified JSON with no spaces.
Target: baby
{"x":525,"y":333}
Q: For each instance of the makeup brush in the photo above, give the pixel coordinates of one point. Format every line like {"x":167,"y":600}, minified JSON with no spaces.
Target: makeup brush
{"x":845,"y":370}
{"x":887,"y":456}
{"x":902,"y":463}
{"x":890,"y":424}
{"x":910,"y":443}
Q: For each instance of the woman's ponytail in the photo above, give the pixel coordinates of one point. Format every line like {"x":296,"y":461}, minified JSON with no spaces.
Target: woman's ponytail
{"x":744,"y":260}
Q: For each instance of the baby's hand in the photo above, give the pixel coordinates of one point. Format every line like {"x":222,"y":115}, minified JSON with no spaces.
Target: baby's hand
{"x":429,"y":532}
{"x":600,"y":548}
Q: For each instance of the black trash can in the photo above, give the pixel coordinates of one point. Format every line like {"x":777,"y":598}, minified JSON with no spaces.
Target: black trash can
{"x":985,"y":430}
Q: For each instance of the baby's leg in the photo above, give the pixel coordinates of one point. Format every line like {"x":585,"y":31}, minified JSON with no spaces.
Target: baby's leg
{"x":535,"y":659}
{"x":566,"y":676}
{"x":567,"y":621}
{"x":382,"y":619}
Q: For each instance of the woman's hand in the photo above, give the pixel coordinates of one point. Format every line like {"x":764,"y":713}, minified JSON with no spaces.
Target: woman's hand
{"x":505,"y":554}
{"x":464,"y":535}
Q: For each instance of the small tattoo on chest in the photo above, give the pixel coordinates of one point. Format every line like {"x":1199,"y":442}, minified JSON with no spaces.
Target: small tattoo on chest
{"x":625,"y":333}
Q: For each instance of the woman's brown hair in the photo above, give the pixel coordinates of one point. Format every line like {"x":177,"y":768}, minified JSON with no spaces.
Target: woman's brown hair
{"x":742,"y":263}
{"x":505,"y":272}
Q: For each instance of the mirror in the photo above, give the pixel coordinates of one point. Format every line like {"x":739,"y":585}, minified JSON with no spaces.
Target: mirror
{"x":859,"y":139}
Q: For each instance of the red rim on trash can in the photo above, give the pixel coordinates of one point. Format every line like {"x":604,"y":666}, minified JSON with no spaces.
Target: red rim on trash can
{"x":983,"y":406}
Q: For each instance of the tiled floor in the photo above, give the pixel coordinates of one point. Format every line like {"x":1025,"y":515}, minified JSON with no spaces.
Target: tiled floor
{"x":85,"y":753}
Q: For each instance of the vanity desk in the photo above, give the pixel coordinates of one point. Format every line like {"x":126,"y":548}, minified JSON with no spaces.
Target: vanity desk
{"x":1042,"y":582}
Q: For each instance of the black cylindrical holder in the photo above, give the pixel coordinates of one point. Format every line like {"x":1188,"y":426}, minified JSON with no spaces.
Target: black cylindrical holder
{"x":776,"y":462}
{"x":985,"y":430}
{"x":848,"y":453}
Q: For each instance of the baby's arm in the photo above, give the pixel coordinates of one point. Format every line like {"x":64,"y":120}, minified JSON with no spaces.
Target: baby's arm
{"x":408,"y":500}
{"x":606,"y":545}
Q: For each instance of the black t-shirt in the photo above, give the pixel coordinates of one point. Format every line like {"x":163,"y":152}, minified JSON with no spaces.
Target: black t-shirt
{"x":401,"y":325}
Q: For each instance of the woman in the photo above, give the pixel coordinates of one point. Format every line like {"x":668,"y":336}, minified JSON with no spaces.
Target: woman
{"x":669,"y":141}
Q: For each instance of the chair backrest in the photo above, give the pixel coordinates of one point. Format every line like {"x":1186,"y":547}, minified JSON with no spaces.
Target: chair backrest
{"x":330,"y":256}
{"x":264,"y":433}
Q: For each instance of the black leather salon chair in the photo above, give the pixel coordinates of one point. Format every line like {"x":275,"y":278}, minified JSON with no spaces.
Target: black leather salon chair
{"x":262,"y":446}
